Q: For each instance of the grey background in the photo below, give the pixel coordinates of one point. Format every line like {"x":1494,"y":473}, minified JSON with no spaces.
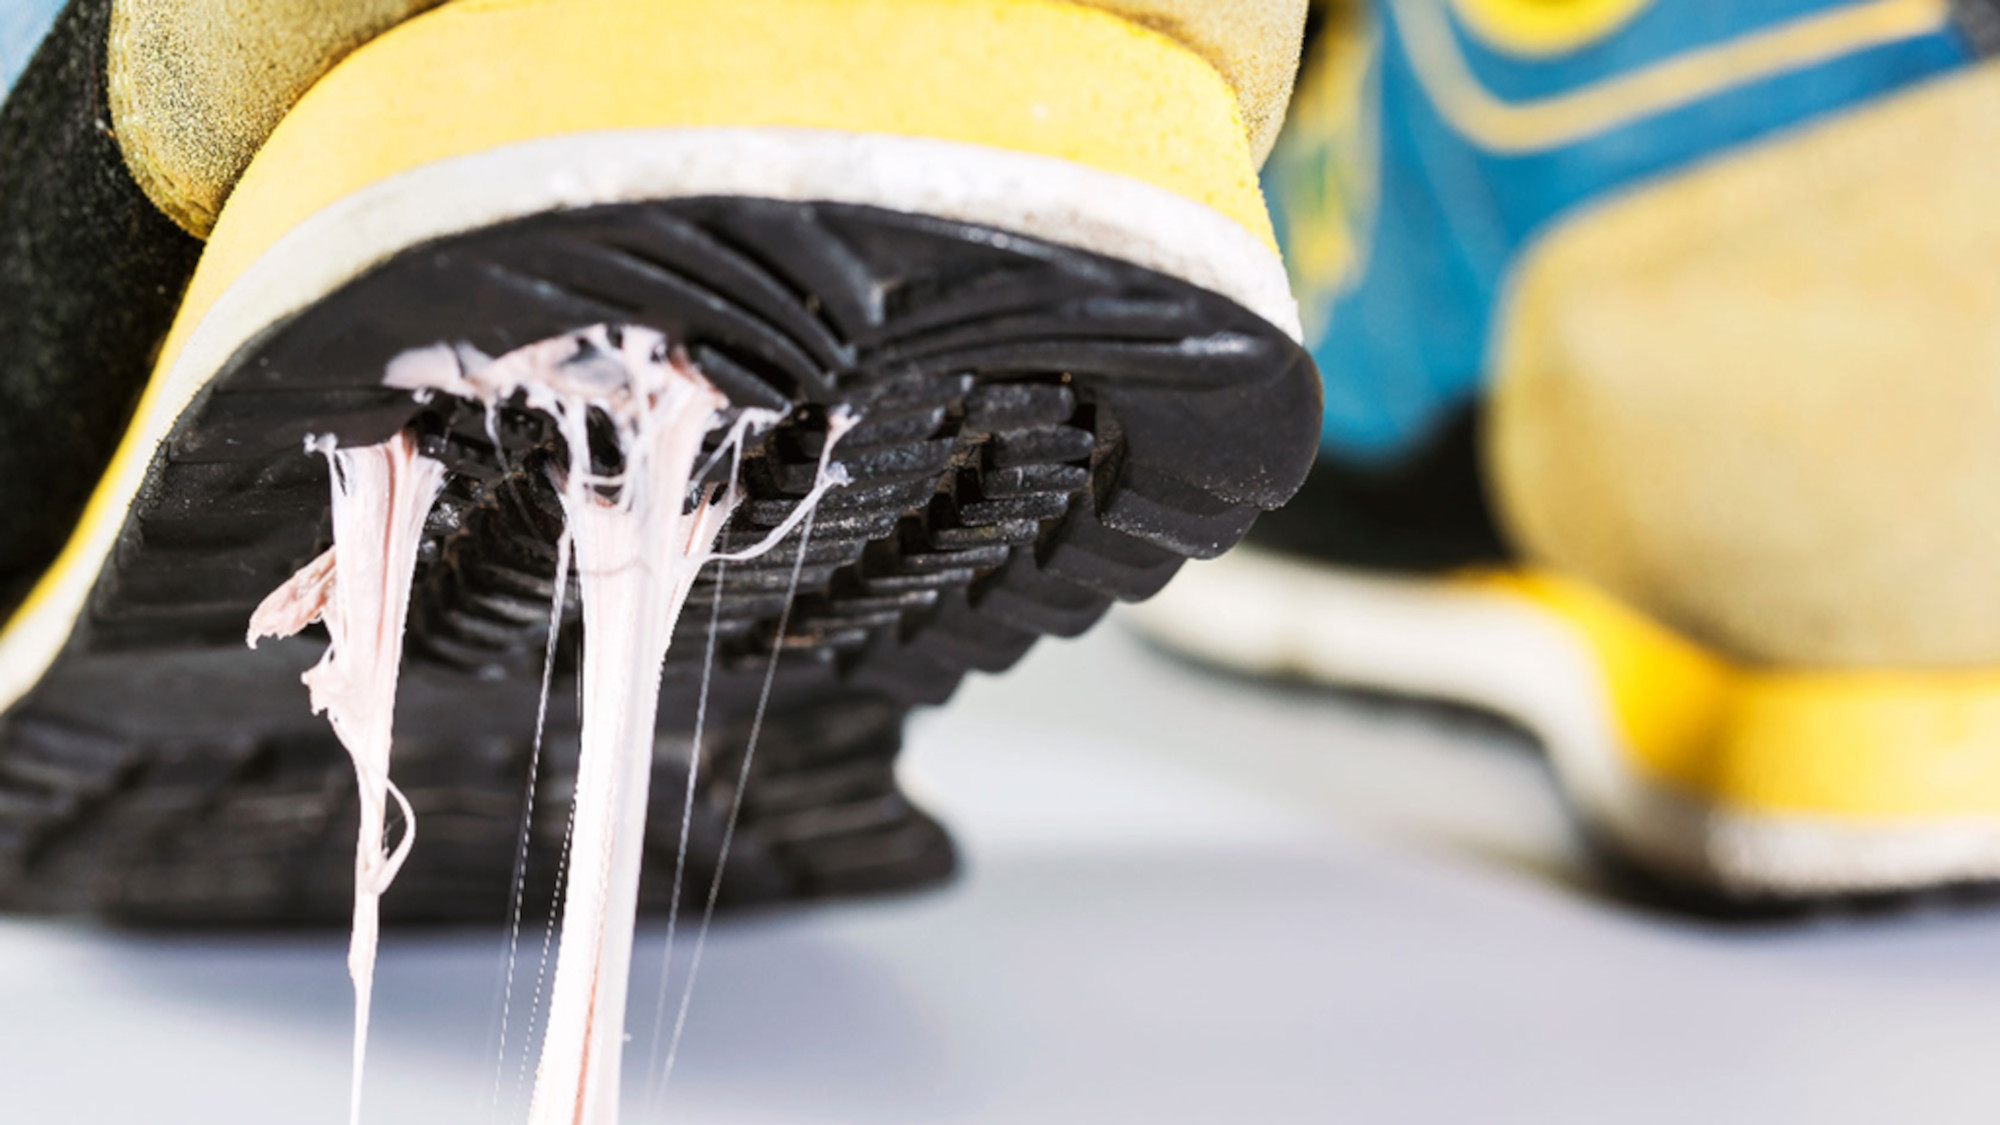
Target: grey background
{"x":1187,"y":899}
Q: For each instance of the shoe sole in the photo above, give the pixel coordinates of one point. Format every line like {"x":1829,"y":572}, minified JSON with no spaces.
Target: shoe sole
{"x":1050,"y":282}
{"x":1047,"y":429}
{"x":1577,"y":673}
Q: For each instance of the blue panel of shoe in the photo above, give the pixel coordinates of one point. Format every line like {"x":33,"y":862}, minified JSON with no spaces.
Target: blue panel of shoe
{"x":1455,"y":194}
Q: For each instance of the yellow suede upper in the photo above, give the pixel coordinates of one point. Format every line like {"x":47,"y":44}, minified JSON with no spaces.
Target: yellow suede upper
{"x":1760,"y":400}
{"x":1254,"y":44}
{"x":197,"y":86}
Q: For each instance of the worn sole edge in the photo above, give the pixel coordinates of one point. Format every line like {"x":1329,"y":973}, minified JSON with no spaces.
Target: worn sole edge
{"x":1260,"y":613}
{"x":1050,"y":199}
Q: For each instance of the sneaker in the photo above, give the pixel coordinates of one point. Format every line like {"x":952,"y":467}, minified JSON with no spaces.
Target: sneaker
{"x":1023,"y":239}
{"x":1660,"y":419}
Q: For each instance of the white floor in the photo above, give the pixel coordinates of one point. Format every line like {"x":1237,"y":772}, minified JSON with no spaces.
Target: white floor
{"x":1187,"y":899}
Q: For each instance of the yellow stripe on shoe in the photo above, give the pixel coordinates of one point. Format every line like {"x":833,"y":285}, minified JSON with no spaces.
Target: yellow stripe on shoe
{"x":1545,"y":27}
{"x":1502,"y":124}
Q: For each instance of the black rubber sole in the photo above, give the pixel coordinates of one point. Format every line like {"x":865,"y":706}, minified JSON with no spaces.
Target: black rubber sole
{"x":1045,"y":431}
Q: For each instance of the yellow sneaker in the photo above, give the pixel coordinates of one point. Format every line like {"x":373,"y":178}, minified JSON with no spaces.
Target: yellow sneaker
{"x":1660,"y":418}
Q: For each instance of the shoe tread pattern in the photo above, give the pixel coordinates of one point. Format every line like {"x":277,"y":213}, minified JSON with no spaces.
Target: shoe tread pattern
{"x":1044,"y":432}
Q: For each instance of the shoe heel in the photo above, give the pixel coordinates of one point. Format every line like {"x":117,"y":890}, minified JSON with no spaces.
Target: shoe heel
{"x":1785,"y":782}
{"x":1031,"y":76}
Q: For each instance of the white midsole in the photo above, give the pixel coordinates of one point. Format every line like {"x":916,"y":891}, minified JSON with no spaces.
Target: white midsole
{"x":1260,"y":613}
{"x":1046,"y":198}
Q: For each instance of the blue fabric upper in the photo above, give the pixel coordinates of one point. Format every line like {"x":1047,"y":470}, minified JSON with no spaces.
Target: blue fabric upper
{"x":23,"y":24}
{"x":1401,"y":339}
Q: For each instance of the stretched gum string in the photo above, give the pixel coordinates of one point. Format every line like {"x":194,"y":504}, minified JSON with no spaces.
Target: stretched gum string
{"x":662,"y":408}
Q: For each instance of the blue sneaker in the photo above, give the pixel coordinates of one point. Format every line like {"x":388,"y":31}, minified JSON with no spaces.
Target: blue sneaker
{"x":1662,"y":417}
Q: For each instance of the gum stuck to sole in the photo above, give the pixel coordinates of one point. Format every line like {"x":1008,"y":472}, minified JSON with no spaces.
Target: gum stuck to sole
{"x":1047,"y":431}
